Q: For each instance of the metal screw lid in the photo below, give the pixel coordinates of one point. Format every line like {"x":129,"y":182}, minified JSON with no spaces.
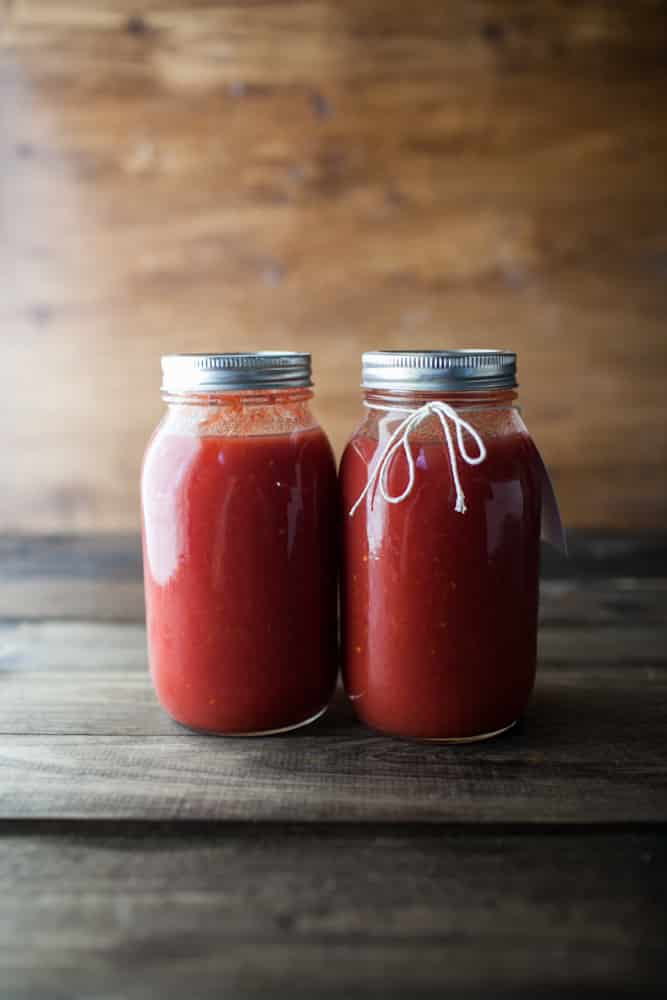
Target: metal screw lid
{"x":435,"y":371}
{"x":235,"y":371}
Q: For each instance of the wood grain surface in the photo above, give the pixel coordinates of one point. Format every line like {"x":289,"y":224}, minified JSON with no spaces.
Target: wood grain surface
{"x":330,"y":176}
{"x":82,"y":735}
{"x":98,"y":577}
{"x":139,"y":860}
{"x":254,"y":912}
{"x":592,"y":748}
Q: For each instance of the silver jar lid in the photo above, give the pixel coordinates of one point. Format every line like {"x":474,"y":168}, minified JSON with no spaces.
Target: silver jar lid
{"x":439,"y":371}
{"x":235,"y":371}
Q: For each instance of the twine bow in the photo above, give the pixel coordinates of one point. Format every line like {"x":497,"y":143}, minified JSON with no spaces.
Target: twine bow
{"x":400,"y":439}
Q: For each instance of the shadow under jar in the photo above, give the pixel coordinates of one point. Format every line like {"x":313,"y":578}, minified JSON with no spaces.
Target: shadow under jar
{"x":239,"y":512}
{"x":441,"y":496}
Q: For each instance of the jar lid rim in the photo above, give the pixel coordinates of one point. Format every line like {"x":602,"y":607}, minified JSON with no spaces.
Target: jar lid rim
{"x":236,"y":370}
{"x":471,"y":369}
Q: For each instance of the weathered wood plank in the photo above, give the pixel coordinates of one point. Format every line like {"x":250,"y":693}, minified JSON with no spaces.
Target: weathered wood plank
{"x":599,"y":646}
{"x":596,"y":554}
{"x":121,"y":702}
{"x":99,"y":600}
{"x":101,"y":646}
{"x":61,"y":576}
{"x":567,"y":601}
{"x":72,"y":647}
{"x":607,"y":579}
{"x":592,"y":748}
{"x":627,"y":602}
{"x":117,"y":557}
{"x":333,"y":912}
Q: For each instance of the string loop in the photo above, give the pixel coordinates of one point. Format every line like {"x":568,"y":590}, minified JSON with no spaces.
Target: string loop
{"x":400,"y":438}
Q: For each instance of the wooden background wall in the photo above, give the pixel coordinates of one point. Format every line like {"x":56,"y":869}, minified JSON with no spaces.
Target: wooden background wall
{"x":330,"y":176}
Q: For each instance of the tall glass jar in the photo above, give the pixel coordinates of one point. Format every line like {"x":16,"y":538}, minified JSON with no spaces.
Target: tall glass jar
{"x":441,"y":494}
{"x":238,"y":497}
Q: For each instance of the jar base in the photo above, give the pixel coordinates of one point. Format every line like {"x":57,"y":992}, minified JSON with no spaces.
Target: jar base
{"x":477,"y":738}
{"x":257,"y":732}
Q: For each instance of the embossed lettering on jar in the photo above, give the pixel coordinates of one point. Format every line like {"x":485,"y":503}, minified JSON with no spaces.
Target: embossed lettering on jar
{"x":238,"y":497}
{"x":441,"y":496}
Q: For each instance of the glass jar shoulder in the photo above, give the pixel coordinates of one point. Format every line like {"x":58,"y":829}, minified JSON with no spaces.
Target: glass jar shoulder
{"x":239,"y":416}
{"x":378,"y":425}
{"x":201,"y":443}
{"x":378,"y":459}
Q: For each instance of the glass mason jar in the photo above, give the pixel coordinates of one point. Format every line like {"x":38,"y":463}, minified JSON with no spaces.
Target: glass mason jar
{"x":441,"y":493}
{"x":239,"y":524}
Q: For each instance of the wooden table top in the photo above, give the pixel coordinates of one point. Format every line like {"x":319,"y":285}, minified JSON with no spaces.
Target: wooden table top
{"x":140,"y":860}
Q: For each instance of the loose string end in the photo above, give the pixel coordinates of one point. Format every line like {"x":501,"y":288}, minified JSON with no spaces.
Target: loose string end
{"x":356,"y":504}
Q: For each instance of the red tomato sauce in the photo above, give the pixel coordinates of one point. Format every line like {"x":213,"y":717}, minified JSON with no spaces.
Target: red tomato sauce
{"x":440,"y":608}
{"x":240,"y":571}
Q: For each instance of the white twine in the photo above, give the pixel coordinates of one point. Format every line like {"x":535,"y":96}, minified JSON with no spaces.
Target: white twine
{"x":400,"y":439}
